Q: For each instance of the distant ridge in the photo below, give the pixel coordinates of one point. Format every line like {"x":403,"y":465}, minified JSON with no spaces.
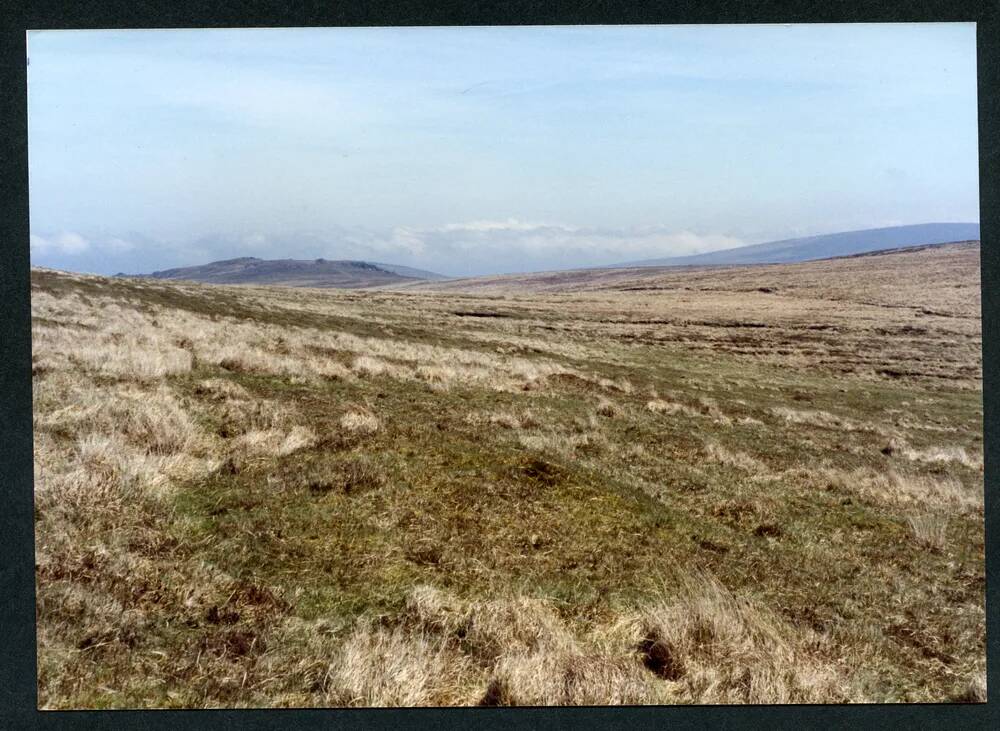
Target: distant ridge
{"x":295,"y":273}
{"x":824,"y":246}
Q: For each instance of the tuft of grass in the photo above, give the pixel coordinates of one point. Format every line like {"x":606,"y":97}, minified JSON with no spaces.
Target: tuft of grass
{"x":721,"y":648}
{"x":740,"y":460}
{"x":608,"y":408}
{"x":363,"y":422}
{"x":567,"y":678}
{"x":822,"y":419}
{"x":380,"y":667}
{"x":929,"y":530}
{"x":660,"y":406}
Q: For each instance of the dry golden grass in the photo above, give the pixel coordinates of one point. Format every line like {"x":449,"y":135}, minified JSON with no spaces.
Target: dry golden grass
{"x":944,"y":454}
{"x":659,"y":406}
{"x":732,"y":458}
{"x":569,"y":678}
{"x":892,"y":487}
{"x":217,"y":388}
{"x":929,"y":530}
{"x":362,"y":421}
{"x":504,"y":419}
{"x":813,"y":418}
{"x":275,"y":497}
{"x":706,"y":646}
{"x":719,"y":648}
{"x":380,"y":667}
{"x":275,"y":441}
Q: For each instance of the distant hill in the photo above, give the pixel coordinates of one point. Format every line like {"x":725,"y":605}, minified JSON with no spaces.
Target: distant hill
{"x":296,"y":273}
{"x":837,"y":271}
{"x":824,"y":247}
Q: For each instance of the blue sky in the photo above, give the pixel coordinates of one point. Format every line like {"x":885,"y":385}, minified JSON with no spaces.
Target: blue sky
{"x":481,"y":150}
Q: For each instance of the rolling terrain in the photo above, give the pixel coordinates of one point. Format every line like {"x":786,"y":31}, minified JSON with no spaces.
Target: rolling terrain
{"x":717,"y":485}
{"x":826,"y":246}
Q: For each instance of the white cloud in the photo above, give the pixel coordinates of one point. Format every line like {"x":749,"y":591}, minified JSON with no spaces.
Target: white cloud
{"x":511,"y":224}
{"x":517,"y":245}
{"x":71,"y":243}
{"x":458,"y":248}
{"x":66,"y":242}
{"x":486,"y":246}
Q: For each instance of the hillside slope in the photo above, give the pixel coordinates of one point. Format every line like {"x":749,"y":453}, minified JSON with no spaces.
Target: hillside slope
{"x":744,"y":485}
{"x":825,"y":246}
{"x":882,"y":274}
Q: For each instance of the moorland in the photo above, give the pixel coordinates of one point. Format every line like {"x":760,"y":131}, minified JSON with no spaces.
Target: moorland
{"x":703,"y":485}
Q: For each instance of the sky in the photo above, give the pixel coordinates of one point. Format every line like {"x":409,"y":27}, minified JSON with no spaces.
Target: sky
{"x":486,"y":150}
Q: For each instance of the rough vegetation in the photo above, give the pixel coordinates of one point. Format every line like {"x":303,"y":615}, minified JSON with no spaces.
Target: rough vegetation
{"x":740,"y":485}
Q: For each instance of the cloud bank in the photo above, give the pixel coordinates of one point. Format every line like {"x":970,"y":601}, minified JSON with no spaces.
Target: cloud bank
{"x":65,"y":242}
{"x":459,"y":249}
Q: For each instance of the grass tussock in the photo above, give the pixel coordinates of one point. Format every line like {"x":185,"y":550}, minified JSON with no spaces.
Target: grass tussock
{"x":565,"y":445}
{"x":813,"y":417}
{"x":102,"y":474}
{"x":702,"y":645}
{"x":504,"y":419}
{"x":622,"y":385}
{"x":362,"y":421}
{"x":740,"y":460}
{"x":660,"y":406}
{"x":720,"y":648}
{"x":381,"y":667}
{"x":905,"y":490}
{"x":929,"y":530}
{"x":568,"y":678}
{"x":275,"y":442}
{"x":152,"y":420}
{"x":935,"y":455}
{"x":221,"y":389}
{"x":608,"y":408}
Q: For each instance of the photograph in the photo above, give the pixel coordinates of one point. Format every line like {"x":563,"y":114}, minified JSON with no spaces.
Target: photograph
{"x":527,"y":365}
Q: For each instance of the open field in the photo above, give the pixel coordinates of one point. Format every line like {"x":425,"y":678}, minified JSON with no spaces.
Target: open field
{"x":756,"y":484}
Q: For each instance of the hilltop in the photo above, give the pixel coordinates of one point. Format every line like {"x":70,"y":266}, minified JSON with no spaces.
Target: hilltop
{"x":295,"y":273}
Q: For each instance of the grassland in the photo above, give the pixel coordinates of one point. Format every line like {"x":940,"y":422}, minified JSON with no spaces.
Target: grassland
{"x":756,"y":484}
